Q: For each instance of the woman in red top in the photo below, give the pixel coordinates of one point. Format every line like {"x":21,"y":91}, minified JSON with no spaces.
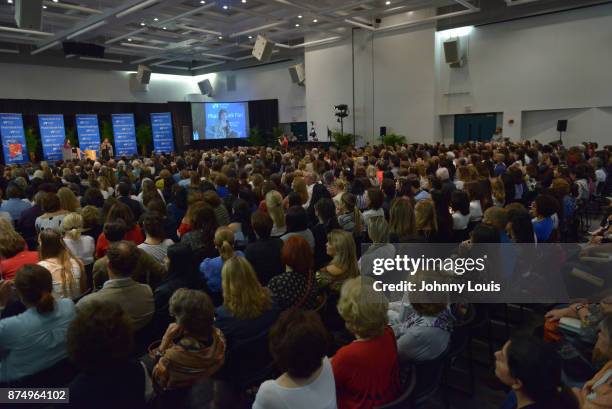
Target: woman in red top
{"x":366,"y":371}
{"x":134,"y":234}
{"x":14,"y":251}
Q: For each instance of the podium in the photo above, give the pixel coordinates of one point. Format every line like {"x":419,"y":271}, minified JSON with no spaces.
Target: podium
{"x":71,"y":153}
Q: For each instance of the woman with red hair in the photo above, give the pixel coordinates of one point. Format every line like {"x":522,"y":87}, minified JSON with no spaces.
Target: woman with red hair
{"x":296,"y":287}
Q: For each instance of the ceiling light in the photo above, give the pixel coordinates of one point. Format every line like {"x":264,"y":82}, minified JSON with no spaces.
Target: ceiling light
{"x":202,"y":2}
{"x":243,"y":1}
{"x":220,"y":37}
{"x":129,"y":39}
{"x":10,"y":1}
{"x":44,"y":7}
{"x":55,"y":1}
{"x":164,"y":28}
{"x":225,"y":7}
{"x":143,"y":24}
{"x":250,"y":37}
{"x":155,"y":19}
{"x":297,"y":25}
{"x":388,"y":2}
{"x":315,"y":21}
{"x":300,"y":16}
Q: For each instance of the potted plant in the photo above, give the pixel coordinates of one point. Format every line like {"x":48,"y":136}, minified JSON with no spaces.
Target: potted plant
{"x":394,"y":139}
{"x":256,"y":137}
{"x":144,"y":137}
{"x":342,"y":140}
{"x":32,"y":142}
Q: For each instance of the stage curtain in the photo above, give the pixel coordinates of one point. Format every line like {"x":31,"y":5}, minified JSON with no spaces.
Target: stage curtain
{"x":263,"y":114}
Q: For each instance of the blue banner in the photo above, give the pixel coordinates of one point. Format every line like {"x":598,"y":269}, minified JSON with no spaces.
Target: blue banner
{"x":13,"y":139}
{"x":125,"y":134}
{"x":52,"y":135}
{"x":161,"y":126}
{"x":89,"y":132}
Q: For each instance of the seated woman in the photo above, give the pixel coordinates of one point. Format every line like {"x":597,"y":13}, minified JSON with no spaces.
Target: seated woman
{"x":14,"y":251}
{"x":201,"y":237}
{"x":296,"y":287}
{"x":296,"y":220}
{"x":325,"y":211}
{"x":35,"y":339}
{"x":426,"y":220}
{"x":349,"y":216}
{"x":402,"y":223}
{"x":193,"y":347}
{"x":274,"y":207}
{"x":298,"y":343}
{"x":68,"y":272}
{"x":211,"y":267}
{"x":460,"y":206}
{"x":341,"y":248}
{"x":543,"y":209}
{"x":52,"y":213}
{"x":81,"y":246}
{"x":366,"y":371}
{"x":533,"y":370}
{"x":374,"y":202}
{"x":105,"y":364}
{"x":422,"y":330}
{"x":241,"y":223}
{"x":378,"y":230}
{"x":133,"y":233}
{"x":156,"y":244}
{"x":247,"y":309}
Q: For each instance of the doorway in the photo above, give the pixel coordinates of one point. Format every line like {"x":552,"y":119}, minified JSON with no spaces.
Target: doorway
{"x":475,"y":127}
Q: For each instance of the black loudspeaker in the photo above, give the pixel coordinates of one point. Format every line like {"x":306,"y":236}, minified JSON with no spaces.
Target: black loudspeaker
{"x":562,"y":125}
{"x":28,"y":14}
{"x":383,"y":131}
{"x":83,"y":49}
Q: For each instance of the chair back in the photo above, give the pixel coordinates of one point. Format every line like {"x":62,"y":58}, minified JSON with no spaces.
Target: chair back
{"x":428,"y":378}
{"x":405,"y":399}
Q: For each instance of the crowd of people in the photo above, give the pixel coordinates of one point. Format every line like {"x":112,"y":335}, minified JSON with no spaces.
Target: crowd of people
{"x":149,"y":277}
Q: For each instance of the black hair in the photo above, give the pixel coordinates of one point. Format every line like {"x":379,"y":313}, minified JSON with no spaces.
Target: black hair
{"x":296,"y":219}
{"x":522,"y":228}
{"x":460,"y":202}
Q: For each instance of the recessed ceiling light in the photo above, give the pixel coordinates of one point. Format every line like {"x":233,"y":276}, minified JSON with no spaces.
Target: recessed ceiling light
{"x":300,"y":16}
{"x":243,"y":1}
{"x":388,"y":2}
{"x":164,"y":28}
{"x":297,"y":25}
{"x":143,"y":24}
{"x":44,"y":7}
{"x":225,"y":7}
{"x":250,"y":37}
{"x":55,"y":1}
{"x":10,"y":1}
{"x":202,"y":2}
{"x":129,"y":39}
{"x":220,"y":37}
{"x":315,"y":21}
{"x":155,"y":19}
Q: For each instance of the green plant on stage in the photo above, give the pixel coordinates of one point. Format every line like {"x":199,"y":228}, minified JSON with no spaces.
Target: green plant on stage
{"x":107,"y":132}
{"x":277,"y":133}
{"x":394,"y":139}
{"x":256,"y":137}
{"x":32,"y":142}
{"x":343,"y":140}
{"x":144,"y":137}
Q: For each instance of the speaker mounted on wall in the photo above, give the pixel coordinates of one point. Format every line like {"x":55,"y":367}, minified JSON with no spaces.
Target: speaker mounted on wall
{"x":28,"y":14}
{"x":136,"y":85}
{"x":562,"y":125}
{"x":206,"y":88}
{"x":262,"y":50}
{"x":453,"y":53}
{"x":298,"y":73}
{"x":144,"y":74}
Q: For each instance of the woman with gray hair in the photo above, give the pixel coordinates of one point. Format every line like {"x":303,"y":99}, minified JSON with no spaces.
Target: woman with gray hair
{"x":192,"y":347}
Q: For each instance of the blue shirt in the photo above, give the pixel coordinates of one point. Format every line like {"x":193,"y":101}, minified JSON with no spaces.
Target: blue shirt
{"x":31,"y":342}
{"x":14,"y":207}
{"x":543,"y":229}
{"x":422,"y":195}
{"x":211,"y":270}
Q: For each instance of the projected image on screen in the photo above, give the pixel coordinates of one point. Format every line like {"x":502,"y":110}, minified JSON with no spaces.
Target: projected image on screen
{"x":225,"y":120}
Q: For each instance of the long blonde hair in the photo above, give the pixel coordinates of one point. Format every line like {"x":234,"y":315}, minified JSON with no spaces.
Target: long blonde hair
{"x":349,"y":202}
{"x":243,"y":295}
{"x":498,"y":190}
{"x":52,"y":246}
{"x":345,"y":256}
{"x":72,"y":225}
{"x":224,"y":241}
{"x":425,"y":216}
{"x":274,"y":205}
{"x":68,"y":201}
{"x":401,"y":217}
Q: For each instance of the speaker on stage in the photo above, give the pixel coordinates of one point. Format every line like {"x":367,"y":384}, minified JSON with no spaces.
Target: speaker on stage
{"x":262,"y":50}
{"x":28,"y":14}
{"x":562,"y":125}
{"x":383,"y":131}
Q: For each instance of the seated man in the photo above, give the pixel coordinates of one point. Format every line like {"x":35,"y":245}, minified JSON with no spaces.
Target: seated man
{"x":147,"y":269}
{"x":135,"y":299}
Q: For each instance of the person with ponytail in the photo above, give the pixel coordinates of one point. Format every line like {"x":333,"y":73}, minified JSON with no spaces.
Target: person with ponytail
{"x":35,"y":339}
{"x":274,"y":206}
{"x":533,"y":370}
{"x":81,"y":246}
{"x":211,"y":267}
{"x":349,"y":215}
{"x":69,"y":278}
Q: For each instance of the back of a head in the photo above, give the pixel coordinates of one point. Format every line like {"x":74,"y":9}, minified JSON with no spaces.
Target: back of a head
{"x":115,"y":230}
{"x":326,"y":210}
{"x":72,"y":225}
{"x":522,"y":227}
{"x":51,"y":244}
{"x":485,"y":233}
{"x":298,"y":342}
{"x":497,"y":217}
{"x":378,"y":229}
{"x":35,"y":286}
{"x":442,"y":174}
{"x":180,"y":258}
{"x":224,"y":241}
{"x":124,"y":189}
{"x":296,"y":219}
{"x":100,"y":337}
{"x":262,"y":224}
{"x":297,"y":255}
{"x":193,"y":311}
{"x":154,"y":226}
{"x":122,"y":258}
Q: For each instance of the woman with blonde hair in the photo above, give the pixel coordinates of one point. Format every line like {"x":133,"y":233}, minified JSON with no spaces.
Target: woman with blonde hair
{"x":463,"y":176}
{"x":341,"y":247}
{"x":211,"y":267}
{"x":247,"y":310}
{"x":402,"y":223}
{"x":68,"y":200}
{"x":498,"y":192}
{"x":274,"y":205}
{"x":374,"y":381}
{"x":349,"y":215}
{"x":69,"y":279}
{"x":82,"y":247}
{"x":425,"y":218}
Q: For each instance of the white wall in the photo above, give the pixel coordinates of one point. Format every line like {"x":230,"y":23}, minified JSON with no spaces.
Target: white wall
{"x":267,"y":82}
{"x":21,"y":81}
{"x":548,"y":63}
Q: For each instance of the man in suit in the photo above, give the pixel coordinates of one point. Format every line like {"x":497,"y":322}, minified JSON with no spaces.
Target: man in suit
{"x":135,"y":299}
{"x":124,"y":197}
